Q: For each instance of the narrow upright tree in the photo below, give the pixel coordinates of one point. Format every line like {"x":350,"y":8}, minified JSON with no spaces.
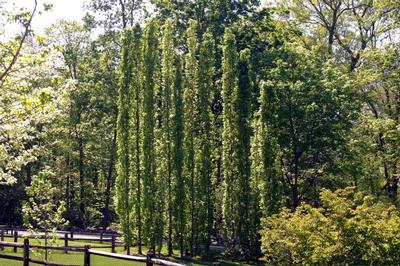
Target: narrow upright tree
{"x":203,"y":141}
{"x":190,"y":98}
{"x":266,"y":195}
{"x":136,"y":98}
{"x":242,"y":108}
{"x":229,"y":136}
{"x":270,"y":182}
{"x":167,"y":64}
{"x":149,"y":68}
{"x":236,"y":137}
{"x":178,"y":157}
{"x":123,"y":203}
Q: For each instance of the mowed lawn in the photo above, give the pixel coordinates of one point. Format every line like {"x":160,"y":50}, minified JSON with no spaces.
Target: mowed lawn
{"x":70,"y":258}
{"x":76,"y":258}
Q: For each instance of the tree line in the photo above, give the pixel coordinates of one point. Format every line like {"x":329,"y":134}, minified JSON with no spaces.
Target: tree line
{"x":218,"y":178}
{"x":203,"y":122}
{"x":166,"y":181}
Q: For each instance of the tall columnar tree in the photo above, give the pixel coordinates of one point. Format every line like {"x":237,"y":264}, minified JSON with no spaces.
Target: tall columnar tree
{"x":124,"y":205}
{"x":136,"y":100}
{"x":203,"y":141}
{"x":230,"y":139}
{"x":149,"y":69}
{"x":167,"y":87}
{"x":236,"y":95}
{"x":190,"y":98}
{"x":257,"y":175}
{"x":178,"y":158}
{"x":242,"y":108}
{"x":270,"y":180}
{"x":265,"y":184}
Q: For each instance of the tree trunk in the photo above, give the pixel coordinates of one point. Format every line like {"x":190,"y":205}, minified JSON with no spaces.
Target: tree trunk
{"x":68,"y":188}
{"x":106,"y":213}
{"x":138,"y":172}
{"x":169,"y":188}
{"x":192,"y":235}
{"x":295,"y":186}
{"x":81,"y":182}
{"x":28,"y":174}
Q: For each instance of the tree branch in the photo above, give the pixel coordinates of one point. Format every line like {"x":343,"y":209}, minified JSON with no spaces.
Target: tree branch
{"x":21,"y":43}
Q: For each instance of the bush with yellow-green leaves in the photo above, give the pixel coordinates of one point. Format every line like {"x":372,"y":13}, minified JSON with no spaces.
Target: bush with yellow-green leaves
{"x":348,"y":228}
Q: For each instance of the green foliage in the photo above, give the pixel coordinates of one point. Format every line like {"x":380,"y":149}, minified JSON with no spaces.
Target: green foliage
{"x":348,"y":228}
{"x":239,"y":211}
{"x":183,"y":133}
{"x":339,"y":29}
{"x":151,"y":191}
{"x":373,"y":148}
{"x":212,"y":15}
{"x":26,"y":102}
{"x":168,"y":72}
{"x":230,"y":140}
{"x":265,"y":152}
{"x":115,"y":15}
{"x":244,"y":131}
{"x":123,"y":183}
{"x":136,"y":95}
{"x":310,"y":108}
{"x":179,"y":195}
{"x":44,"y":209}
{"x":189,"y":100}
{"x":203,"y":163}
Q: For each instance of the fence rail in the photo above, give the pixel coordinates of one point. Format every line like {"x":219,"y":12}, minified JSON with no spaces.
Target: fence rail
{"x":114,"y":243}
{"x":11,"y":257}
{"x":26,"y":260}
{"x":70,"y":248}
{"x":117,"y":256}
{"x":10,"y":229}
{"x":47,"y":263}
{"x":149,"y":260}
{"x":101,"y":237}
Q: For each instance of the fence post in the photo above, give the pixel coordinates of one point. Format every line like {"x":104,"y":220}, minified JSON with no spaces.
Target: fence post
{"x":66,"y":242}
{"x":2,"y":239}
{"x":26,"y":252}
{"x":15,"y":240}
{"x":113,"y":243}
{"x":45,"y":245}
{"x":72,"y":233}
{"x":87,"y":256}
{"x":150,"y":255}
{"x":101,"y":237}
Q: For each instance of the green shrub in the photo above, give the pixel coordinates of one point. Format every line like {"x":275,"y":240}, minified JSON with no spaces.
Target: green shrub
{"x":349,"y":228}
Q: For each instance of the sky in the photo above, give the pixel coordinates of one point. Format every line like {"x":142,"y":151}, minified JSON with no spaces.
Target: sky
{"x":62,"y":9}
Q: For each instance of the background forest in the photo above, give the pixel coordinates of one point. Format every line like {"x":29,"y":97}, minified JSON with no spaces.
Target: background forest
{"x":273,"y":128}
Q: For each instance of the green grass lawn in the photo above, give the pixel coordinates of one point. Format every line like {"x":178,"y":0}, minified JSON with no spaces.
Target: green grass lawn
{"x":60,"y":256}
{"x":77,"y":257}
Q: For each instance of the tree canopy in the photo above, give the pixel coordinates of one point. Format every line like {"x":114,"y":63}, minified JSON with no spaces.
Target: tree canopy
{"x":270,"y":130}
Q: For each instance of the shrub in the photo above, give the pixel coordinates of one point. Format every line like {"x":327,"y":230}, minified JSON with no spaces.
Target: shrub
{"x":349,"y":228}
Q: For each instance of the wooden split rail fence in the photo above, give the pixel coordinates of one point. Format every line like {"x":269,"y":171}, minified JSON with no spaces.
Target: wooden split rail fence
{"x":26,"y":259}
{"x":67,"y":238}
{"x":149,"y":259}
